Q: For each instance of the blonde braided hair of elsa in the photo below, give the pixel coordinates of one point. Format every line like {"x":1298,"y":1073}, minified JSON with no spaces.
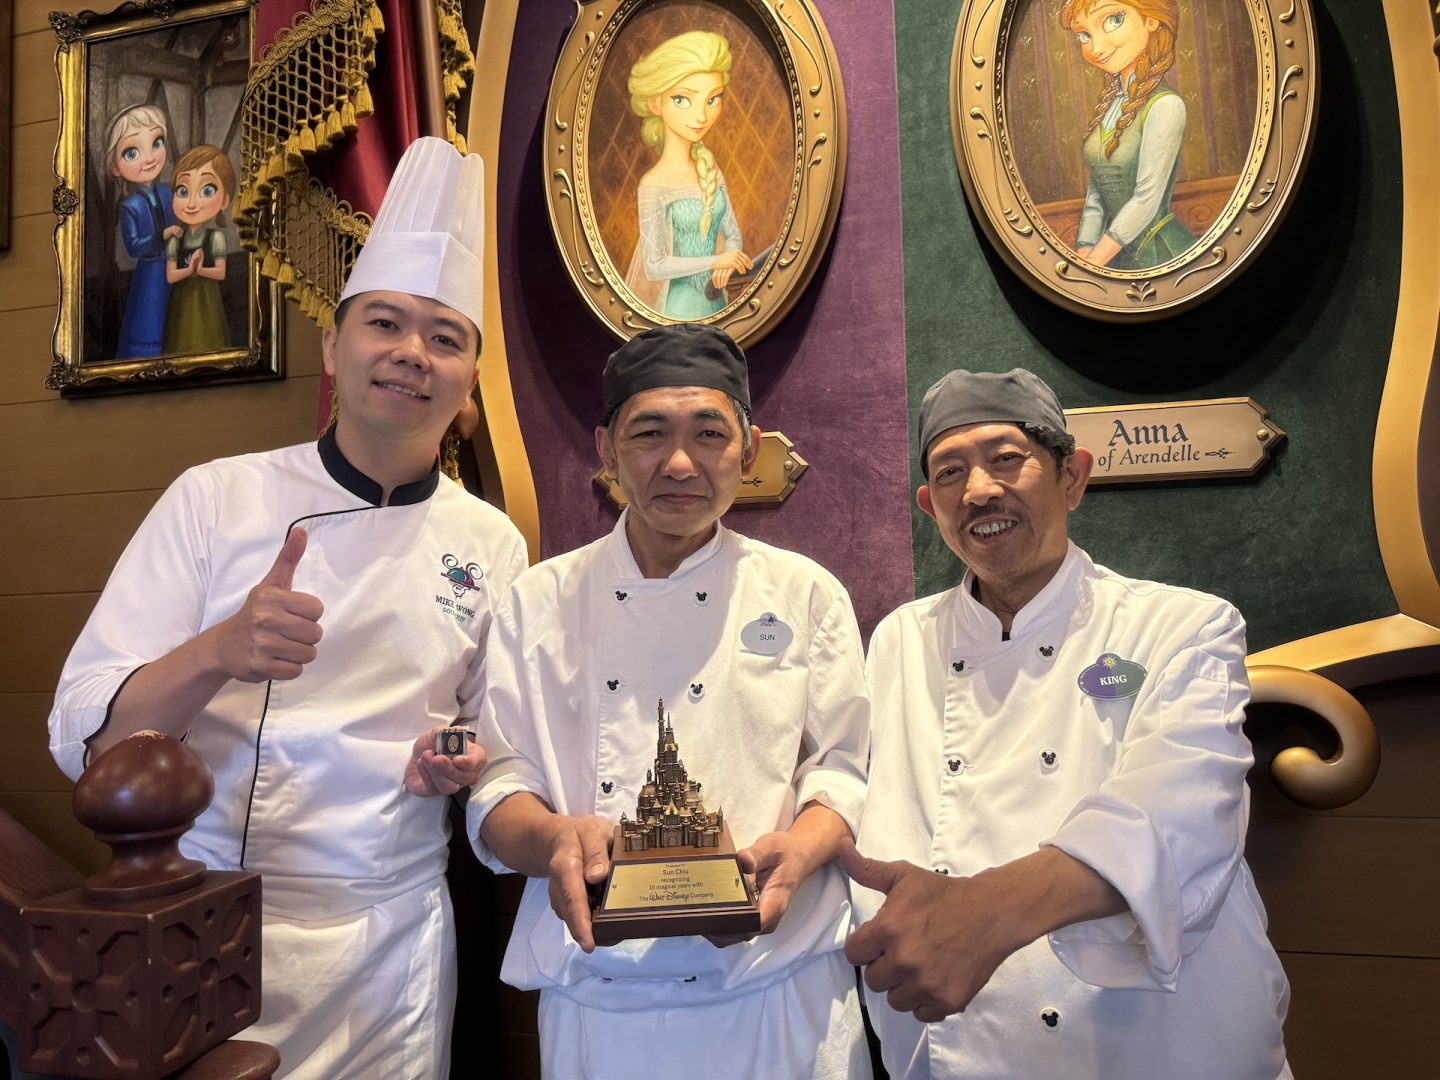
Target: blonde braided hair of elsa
{"x":660,"y":69}
{"x":1154,"y":62}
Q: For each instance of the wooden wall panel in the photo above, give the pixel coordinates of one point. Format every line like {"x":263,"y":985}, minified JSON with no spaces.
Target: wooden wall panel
{"x":71,"y":541}
{"x":1361,"y":1017}
{"x":144,"y":441}
{"x":28,"y":334}
{"x":32,"y":187}
{"x":1349,"y":885}
{"x":29,"y":274}
{"x":26,"y":764}
{"x":37,"y":87}
{"x":36,"y":633}
{"x":48,"y":815}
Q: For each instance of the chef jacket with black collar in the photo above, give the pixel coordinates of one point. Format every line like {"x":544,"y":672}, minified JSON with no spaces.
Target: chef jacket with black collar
{"x":581,"y":651}
{"x":986,"y":748}
{"x":308,"y":772}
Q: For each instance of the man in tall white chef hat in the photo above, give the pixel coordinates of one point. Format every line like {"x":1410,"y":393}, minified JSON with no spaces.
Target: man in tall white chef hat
{"x":309,"y":618}
{"x":756,"y":655}
{"x":1057,"y":787}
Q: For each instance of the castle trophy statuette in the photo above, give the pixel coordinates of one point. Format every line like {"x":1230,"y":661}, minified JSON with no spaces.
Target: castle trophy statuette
{"x":673,"y":867}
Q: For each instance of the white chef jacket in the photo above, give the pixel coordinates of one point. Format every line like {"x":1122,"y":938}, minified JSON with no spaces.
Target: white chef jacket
{"x":985,"y":749}
{"x":309,"y":772}
{"x":581,"y":651}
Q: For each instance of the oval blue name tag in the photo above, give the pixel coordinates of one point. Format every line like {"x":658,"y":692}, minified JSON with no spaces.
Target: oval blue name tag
{"x":1111,"y":677}
{"x":767,"y":635}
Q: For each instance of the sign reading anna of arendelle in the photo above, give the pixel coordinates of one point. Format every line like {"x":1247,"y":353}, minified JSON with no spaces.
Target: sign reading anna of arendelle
{"x":1177,"y":440}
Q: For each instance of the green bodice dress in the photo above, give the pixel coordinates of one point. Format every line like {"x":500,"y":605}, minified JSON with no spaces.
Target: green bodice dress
{"x":1114,"y":179}
{"x":195,"y":319}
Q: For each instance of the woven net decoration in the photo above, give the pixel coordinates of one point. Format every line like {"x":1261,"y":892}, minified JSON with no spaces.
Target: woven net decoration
{"x":308,"y":91}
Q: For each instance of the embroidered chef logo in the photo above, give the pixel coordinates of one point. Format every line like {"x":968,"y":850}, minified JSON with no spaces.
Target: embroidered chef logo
{"x":462,"y":579}
{"x":767,"y":635}
{"x":1110,"y":678}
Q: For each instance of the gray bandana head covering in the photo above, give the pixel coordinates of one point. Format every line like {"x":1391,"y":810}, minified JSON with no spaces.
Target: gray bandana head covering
{"x":988,"y":397}
{"x":682,"y":354}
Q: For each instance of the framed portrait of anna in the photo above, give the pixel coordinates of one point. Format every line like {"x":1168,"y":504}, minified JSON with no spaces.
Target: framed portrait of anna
{"x":695,"y":155}
{"x":1129,"y":158}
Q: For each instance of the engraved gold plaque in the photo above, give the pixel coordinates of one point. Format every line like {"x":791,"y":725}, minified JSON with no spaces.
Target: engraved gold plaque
{"x":675,"y":883}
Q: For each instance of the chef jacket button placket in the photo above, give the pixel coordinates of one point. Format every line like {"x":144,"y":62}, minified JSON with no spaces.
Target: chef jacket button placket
{"x":957,"y":765}
{"x":607,"y":786}
{"x":613,"y":685}
{"x":1049,"y":760}
{"x":1051,"y":1019}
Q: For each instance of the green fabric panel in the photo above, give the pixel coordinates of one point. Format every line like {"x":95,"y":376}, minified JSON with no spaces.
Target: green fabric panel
{"x":1305,"y":331}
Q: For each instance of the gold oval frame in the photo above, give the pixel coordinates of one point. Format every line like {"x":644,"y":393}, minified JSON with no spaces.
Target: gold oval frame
{"x":817,"y":103}
{"x":1287,"y":86}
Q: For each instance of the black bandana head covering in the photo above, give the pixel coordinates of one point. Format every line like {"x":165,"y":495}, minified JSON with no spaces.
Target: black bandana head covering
{"x":988,"y":397}
{"x":681,"y":354}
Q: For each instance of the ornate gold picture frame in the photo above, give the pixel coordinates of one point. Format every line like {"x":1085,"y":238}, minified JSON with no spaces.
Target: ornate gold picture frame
{"x":155,"y":289}
{"x":710,"y":198}
{"x":1130,"y":159}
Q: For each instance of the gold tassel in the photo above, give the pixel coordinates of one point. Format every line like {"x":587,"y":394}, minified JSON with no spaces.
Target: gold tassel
{"x":364,"y":104}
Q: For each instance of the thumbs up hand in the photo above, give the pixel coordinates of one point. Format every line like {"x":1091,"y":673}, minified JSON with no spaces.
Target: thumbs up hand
{"x":936,"y":939}
{"x":274,"y":634}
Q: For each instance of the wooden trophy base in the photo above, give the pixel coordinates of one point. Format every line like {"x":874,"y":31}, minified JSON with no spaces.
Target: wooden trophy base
{"x":673,"y":892}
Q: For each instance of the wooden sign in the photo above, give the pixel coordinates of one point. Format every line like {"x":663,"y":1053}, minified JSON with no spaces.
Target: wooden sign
{"x":1176,"y":440}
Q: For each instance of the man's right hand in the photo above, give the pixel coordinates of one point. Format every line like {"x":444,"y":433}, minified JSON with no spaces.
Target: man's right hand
{"x":274,"y":634}
{"x":579,"y":856}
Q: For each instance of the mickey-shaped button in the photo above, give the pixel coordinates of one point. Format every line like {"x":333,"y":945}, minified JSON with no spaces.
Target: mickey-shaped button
{"x":607,"y":786}
{"x":1051,"y":1019}
{"x":941,"y":870}
{"x":621,"y":597}
{"x":956,"y":764}
{"x":1048,"y":758}
{"x":612,"y":684}
{"x":957,"y":666}
{"x":702,"y":598}
{"x":1047,"y":653}
{"x":697,"y":691}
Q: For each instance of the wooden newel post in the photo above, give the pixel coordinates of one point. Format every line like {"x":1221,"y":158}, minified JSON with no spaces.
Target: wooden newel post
{"x":145,"y":969}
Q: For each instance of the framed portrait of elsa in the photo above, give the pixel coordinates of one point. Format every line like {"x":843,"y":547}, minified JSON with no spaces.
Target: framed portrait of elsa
{"x":1129,"y":159}
{"x":155,"y":287}
{"x":694,"y":160}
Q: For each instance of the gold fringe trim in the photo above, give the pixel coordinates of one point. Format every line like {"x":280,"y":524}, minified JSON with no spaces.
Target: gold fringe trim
{"x":308,"y":91}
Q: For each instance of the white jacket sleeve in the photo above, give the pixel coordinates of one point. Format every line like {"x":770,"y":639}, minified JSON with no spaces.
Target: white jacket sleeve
{"x":1168,"y":829}
{"x":511,"y":713}
{"x":835,"y":750}
{"x":153,"y":602}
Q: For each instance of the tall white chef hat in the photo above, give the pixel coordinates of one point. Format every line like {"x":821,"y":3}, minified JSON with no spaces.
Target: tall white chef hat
{"x":429,"y":236}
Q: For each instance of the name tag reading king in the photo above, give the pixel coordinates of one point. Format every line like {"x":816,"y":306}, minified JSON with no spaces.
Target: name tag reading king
{"x":657,"y":885}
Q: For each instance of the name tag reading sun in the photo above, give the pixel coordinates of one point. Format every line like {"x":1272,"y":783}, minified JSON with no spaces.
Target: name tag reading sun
{"x":767,"y":635}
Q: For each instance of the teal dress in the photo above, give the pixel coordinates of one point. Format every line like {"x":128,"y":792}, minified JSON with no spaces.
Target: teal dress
{"x":673,"y":261}
{"x":686,"y":299}
{"x":1129,"y":196}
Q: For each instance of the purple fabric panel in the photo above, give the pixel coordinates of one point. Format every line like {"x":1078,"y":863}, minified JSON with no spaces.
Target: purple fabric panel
{"x":831,"y":376}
